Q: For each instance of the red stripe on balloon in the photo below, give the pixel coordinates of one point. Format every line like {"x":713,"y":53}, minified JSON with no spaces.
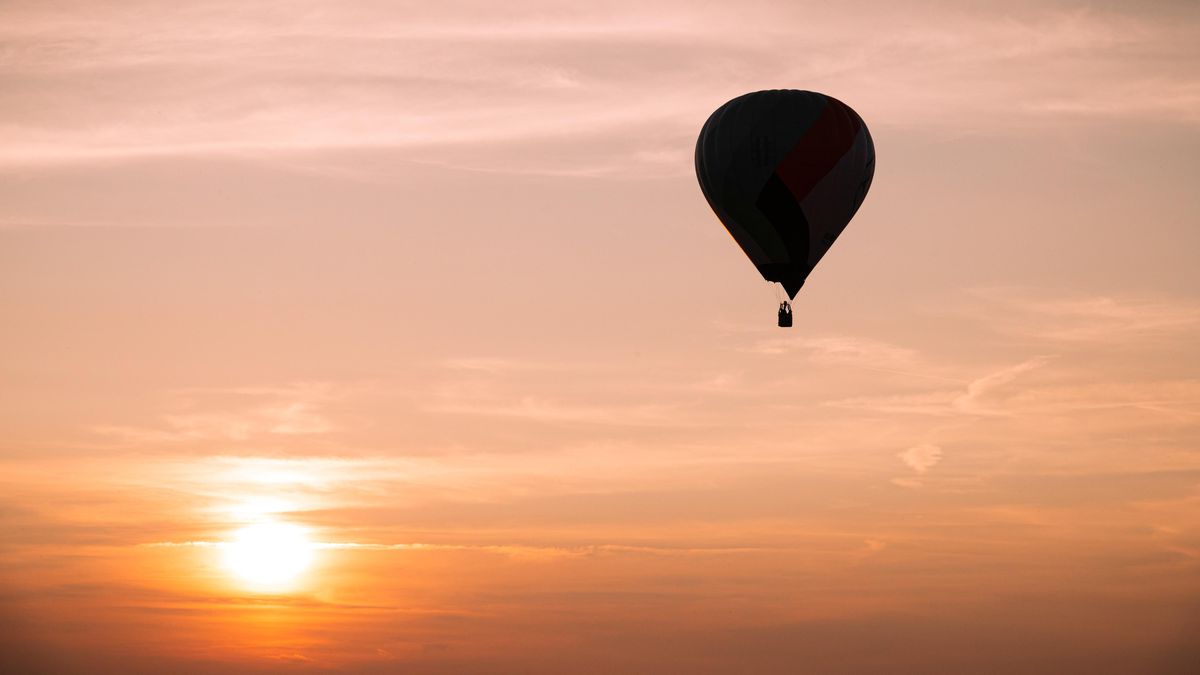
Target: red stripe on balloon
{"x":819,"y":149}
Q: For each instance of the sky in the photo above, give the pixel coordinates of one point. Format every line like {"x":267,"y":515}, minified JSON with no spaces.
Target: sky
{"x":426,"y":297}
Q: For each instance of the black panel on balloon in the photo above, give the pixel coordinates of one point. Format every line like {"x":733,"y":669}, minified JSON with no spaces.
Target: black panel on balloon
{"x":776,"y":202}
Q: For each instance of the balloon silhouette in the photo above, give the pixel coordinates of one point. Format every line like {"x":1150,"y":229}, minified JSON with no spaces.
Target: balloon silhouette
{"x":785,"y":171}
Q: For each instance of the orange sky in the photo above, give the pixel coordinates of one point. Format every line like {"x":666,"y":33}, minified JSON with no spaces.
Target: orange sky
{"x":434,"y":283}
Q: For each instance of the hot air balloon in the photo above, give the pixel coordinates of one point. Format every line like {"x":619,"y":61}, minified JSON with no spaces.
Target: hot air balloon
{"x":785,"y":171}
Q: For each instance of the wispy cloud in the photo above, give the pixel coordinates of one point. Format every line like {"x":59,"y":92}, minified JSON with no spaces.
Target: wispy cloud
{"x":550,"y":410}
{"x":1105,"y":319}
{"x":839,"y":349}
{"x":203,"y":416}
{"x":921,"y":458}
{"x":520,"y":551}
{"x":627,"y":86}
{"x":980,"y":392}
{"x":983,"y":395}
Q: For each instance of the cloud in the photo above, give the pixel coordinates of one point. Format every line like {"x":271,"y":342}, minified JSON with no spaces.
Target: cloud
{"x":1173,"y":400}
{"x":537,"y":391}
{"x":727,"y":381}
{"x":626,"y":85}
{"x":551,"y":410}
{"x":1146,"y":98}
{"x":921,"y":458}
{"x":1087,"y":318}
{"x":936,"y":403}
{"x":986,"y":389}
{"x":294,"y":410}
{"x":837,"y":349}
{"x":528,"y":552}
{"x":985,"y":395}
{"x":853,"y":351}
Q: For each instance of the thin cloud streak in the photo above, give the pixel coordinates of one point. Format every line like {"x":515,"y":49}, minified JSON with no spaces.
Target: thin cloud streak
{"x":983,"y":396}
{"x":514,"y":550}
{"x":975,"y":400}
{"x":276,"y":411}
{"x":527,"y":78}
{"x":1081,"y":319}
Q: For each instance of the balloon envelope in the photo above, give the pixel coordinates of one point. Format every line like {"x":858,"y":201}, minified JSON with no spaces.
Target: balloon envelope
{"x":785,"y":171}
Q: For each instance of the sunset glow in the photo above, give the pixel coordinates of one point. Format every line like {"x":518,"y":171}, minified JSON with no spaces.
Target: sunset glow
{"x":395,"y":337}
{"x":268,"y":556}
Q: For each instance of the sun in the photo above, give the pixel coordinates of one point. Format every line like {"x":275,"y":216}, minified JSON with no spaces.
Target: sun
{"x":269,"y":556}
